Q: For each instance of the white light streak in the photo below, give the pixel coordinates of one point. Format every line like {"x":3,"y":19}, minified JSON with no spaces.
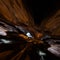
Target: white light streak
{"x":28,"y":34}
{"x":5,"y":41}
{"x":3,"y":31}
{"x":42,"y":53}
{"x":55,"y":50}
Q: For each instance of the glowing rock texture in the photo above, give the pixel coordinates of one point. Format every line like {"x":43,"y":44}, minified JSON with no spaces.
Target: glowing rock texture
{"x":24,"y":38}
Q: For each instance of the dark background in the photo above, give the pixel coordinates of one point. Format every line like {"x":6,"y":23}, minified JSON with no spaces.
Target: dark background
{"x":40,"y":9}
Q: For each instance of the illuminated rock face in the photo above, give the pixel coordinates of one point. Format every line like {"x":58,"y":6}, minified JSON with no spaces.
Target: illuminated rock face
{"x":52,"y":24}
{"x":15,"y":11}
{"x":20,"y":34}
{"x":13,"y":16}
